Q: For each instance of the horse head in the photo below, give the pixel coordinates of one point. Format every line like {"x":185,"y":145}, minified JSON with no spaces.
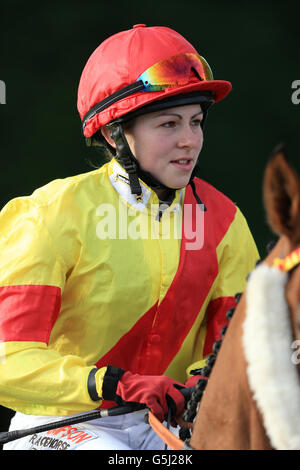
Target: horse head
{"x":281,"y":194}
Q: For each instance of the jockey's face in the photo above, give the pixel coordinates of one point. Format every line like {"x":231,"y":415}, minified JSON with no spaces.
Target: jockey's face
{"x":167,"y":143}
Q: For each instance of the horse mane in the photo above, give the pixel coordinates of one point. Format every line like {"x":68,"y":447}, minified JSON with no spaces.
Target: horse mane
{"x":282,"y":196}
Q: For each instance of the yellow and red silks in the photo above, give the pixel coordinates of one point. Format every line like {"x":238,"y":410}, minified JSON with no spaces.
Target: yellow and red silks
{"x":70,"y":301}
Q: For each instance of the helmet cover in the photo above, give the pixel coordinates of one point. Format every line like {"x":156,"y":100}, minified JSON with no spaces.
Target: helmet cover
{"x":120,"y":60}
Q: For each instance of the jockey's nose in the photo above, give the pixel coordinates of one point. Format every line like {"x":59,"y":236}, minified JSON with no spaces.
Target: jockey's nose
{"x":190,"y":137}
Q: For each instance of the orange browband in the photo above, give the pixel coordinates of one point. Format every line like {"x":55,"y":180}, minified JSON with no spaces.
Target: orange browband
{"x":289,"y":262}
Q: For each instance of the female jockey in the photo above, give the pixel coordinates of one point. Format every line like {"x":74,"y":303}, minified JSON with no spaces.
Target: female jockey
{"x":115,"y":283}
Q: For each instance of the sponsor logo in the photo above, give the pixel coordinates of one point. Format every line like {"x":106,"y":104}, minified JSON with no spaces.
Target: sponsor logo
{"x":61,"y":438}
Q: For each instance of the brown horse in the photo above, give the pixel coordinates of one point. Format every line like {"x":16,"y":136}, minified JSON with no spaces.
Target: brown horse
{"x":252,"y":399}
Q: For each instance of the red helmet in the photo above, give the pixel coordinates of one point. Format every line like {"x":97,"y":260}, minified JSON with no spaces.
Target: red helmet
{"x":140,"y":66}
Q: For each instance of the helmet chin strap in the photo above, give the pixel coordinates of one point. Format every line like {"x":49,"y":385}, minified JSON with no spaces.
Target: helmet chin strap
{"x":130,"y":164}
{"x":125,"y":158}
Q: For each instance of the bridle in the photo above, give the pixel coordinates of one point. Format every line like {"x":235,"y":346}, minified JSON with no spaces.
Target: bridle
{"x":289,"y":262}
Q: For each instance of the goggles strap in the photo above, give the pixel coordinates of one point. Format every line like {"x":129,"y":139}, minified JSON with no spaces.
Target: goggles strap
{"x":111,"y":99}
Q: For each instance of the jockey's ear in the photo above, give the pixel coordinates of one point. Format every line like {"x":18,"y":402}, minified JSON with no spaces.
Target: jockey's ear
{"x":281,"y":191}
{"x":106,"y":134}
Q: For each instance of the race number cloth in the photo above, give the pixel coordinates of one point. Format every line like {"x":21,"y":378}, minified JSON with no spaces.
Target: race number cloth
{"x":90,"y":277}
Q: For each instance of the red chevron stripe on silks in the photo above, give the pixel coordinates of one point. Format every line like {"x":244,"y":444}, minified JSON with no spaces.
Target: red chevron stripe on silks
{"x":28,"y":312}
{"x":216,"y":320}
{"x":151,"y":344}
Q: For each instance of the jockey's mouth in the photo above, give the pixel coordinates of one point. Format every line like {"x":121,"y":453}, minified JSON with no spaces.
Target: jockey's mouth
{"x":185,"y":164}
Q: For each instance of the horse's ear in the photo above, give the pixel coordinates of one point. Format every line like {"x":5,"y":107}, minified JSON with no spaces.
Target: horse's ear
{"x":281,"y":191}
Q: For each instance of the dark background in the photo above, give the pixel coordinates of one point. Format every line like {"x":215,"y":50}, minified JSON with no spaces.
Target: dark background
{"x":44,"y":47}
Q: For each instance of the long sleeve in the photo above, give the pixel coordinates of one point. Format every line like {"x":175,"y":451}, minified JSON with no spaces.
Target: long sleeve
{"x":35,"y":377}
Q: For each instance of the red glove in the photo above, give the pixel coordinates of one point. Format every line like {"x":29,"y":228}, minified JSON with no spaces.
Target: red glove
{"x":157,"y":392}
{"x":191,"y":382}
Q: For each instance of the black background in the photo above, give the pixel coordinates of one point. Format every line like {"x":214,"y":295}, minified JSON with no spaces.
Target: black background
{"x":44,"y":47}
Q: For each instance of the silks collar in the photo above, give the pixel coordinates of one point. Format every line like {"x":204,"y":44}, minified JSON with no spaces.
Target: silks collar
{"x":120,"y":181}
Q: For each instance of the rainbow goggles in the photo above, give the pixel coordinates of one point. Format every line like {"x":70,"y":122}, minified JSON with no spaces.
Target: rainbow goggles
{"x":174,"y":71}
